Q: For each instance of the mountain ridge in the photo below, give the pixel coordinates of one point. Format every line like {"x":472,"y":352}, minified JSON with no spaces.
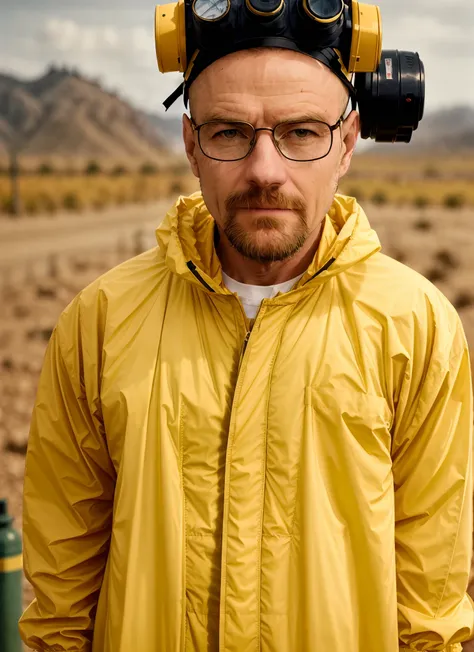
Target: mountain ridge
{"x":65,"y":115}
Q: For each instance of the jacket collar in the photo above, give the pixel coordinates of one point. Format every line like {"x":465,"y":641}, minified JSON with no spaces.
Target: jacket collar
{"x":186,"y":240}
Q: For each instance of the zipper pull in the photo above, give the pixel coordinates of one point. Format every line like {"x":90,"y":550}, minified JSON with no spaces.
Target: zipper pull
{"x":244,"y":346}
{"x":246,"y":341}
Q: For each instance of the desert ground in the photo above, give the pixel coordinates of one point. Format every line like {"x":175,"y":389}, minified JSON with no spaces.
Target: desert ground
{"x":46,"y":261}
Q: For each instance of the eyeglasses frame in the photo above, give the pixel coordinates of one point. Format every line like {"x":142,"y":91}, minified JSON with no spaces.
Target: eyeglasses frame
{"x":332,"y":129}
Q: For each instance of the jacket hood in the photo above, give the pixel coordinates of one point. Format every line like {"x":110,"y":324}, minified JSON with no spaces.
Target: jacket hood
{"x":186,"y":240}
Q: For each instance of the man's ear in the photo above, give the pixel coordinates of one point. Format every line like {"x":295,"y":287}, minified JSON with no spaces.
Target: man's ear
{"x":190,"y":144}
{"x":350,"y":133}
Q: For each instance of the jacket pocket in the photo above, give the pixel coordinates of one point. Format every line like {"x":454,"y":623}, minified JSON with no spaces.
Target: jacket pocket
{"x":351,"y":425}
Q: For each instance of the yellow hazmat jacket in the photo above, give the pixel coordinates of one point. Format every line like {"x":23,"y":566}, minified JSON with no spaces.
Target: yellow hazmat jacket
{"x":307,"y":488}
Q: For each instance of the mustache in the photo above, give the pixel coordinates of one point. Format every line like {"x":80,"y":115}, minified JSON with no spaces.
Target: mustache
{"x":263,"y":198}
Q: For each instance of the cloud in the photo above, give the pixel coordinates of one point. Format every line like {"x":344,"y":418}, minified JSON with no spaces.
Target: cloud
{"x":70,"y":36}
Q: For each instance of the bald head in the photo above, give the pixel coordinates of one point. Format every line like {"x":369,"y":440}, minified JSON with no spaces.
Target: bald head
{"x":272,"y":76}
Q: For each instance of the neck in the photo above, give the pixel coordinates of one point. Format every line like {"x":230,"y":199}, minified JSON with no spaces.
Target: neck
{"x":251,"y":272}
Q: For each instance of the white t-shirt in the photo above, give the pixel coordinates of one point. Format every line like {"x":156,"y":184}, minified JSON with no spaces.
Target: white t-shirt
{"x":251,"y":296}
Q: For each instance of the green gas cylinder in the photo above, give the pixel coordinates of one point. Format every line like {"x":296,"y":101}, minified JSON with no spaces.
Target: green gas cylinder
{"x":11,"y":577}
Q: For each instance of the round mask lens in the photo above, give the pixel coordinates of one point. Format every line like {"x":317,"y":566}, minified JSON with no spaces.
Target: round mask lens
{"x":265,"y":7}
{"x":211,"y":10}
{"x":324,"y":10}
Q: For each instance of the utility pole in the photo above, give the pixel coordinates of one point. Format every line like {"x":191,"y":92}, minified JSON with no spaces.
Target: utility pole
{"x":14,"y":179}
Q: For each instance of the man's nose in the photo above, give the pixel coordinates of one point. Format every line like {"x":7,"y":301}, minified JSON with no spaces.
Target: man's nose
{"x":265,"y":166}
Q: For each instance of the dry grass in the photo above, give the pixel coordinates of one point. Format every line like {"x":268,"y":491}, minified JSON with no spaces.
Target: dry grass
{"x":419,"y":181}
{"x":416,"y":181}
{"x":48,"y":193}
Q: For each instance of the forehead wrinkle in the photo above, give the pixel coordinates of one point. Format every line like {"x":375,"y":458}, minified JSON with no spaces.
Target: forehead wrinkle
{"x":256,"y":115}
{"x":261,"y":90}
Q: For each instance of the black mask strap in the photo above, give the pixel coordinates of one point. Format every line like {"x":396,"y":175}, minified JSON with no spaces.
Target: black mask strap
{"x":174,"y":96}
{"x":326,"y":56}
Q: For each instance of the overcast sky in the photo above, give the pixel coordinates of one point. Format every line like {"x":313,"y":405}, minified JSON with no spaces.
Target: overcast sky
{"x":113,"y":40}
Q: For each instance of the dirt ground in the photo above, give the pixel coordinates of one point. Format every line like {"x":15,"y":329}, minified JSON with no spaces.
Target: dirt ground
{"x":437,"y":243}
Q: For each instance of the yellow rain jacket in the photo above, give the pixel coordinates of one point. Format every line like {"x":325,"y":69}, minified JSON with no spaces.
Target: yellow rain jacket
{"x":304,"y":488}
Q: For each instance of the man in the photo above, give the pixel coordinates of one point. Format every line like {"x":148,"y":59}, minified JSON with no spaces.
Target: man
{"x":256,"y":436}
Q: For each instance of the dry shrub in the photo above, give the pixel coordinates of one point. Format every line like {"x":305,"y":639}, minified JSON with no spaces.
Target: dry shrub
{"x":45,"y":292}
{"x":463,"y":300}
{"x":447,"y":259}
{"x":423,"y":224}
{"x":421,"y":201}
{"x":437,"y":274}
{"x":118,"y":171}
{"x":148,"y":168}
{"x":93,"y":168}
{"x":72,"y":201}
{"x":43,"y":334}
{"x":47,"y":202}
{"x":6,"y":205}
{"x":431,"y":172}
{"x":45,"y":169}
{"x":379,"y":198}
{"x":31,"y":205}
{"x":454,"y":201}
{"x":357,"y":192}
{"x":176,"y":188}
{"x":398,"y":254}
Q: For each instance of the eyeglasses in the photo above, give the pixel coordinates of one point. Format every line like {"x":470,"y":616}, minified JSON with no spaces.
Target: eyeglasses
{"x":311,"y":140}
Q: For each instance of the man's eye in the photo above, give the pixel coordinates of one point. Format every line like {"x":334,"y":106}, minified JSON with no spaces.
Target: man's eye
{"x":303,"y":133}
{"x":229,"y":134}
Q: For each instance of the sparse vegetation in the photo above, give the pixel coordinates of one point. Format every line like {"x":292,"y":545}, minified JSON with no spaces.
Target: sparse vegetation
{"x":45,"y":168}
{"x":176,"y":188}
{"x":71,"y":201}
{"x":357,"y":192}
{"x":93,"y":168}
{"x":370,"y":179}
{"x":118,"y":171}
{"x":432,"y":172}
{"x":148,"y":169}
{"x":463,"y":300}
{"x":423,"y":224}
{"x":379,"y":198}
{"x":454,"y":201}
{"x":6,"y":205}
{"x":421,"y":202}
{"x":447,"y":259}
{"x":437,"y":274}
{"x":49,"y":193}
{"x":31,"y":206}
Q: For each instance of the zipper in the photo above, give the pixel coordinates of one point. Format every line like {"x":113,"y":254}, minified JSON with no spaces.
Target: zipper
{"x":244,"y":348}
{"x":193,"y":269}
{"x":230,"y":443}
{"x":323,"y":269}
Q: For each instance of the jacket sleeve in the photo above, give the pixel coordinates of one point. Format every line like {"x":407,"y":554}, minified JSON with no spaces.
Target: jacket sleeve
{"x":68,"y":496}
{"x":432,"y":471}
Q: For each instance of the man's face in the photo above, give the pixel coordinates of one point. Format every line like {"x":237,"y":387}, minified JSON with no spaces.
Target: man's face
{"x":266,"y":205}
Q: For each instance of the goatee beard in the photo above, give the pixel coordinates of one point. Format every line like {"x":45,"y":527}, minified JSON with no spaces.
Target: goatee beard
{"x":245,"y":242}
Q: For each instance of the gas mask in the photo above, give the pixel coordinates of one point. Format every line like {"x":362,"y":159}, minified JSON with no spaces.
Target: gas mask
{"x":387,"y":86}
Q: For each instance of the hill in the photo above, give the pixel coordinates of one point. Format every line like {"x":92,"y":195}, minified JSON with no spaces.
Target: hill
{"x":65,"y":116}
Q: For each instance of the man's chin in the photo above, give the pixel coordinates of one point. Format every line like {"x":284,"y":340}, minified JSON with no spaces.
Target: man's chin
{"x":263,"y":251}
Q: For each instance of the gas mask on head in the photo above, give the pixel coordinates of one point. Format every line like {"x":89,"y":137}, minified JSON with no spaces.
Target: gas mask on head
{"x":388,"y":87}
